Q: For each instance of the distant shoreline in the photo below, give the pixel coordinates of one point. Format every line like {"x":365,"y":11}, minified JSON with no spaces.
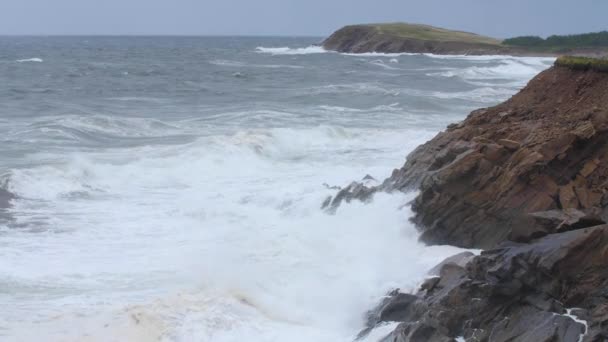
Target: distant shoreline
{"x":416,"y":38}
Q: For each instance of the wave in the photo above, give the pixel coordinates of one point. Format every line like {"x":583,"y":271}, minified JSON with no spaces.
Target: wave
{"x":380,"y":63}
{"x":520,"y":69}
{"x":313,"y":49}
{"x":237,"y":64}
{"x":357,"y":88}
{"x":98,"y":130}
{"x":482,"y":95}
{"x":242,"y":271}
{"x":35,"y":60}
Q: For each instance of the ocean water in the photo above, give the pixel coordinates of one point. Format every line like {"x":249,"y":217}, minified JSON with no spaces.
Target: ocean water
{"x":169,"y":189}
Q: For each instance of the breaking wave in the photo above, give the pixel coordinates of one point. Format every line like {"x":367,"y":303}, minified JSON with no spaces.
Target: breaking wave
{"x":35,"y":60}
{"x":521,"y":69}
{"x":292,"y":51}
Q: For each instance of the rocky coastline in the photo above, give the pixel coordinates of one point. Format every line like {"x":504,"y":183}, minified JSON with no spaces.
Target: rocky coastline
{"x":527,"y":181}
{"x":428,"y":39}
{"x":364,"y":38}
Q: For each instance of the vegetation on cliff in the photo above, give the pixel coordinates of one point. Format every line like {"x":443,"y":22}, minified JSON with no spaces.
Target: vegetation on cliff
{"x":583,"y":63}
{"x":427,"y":32}
{"x":401,"y":37}
{"x":586,"y":40}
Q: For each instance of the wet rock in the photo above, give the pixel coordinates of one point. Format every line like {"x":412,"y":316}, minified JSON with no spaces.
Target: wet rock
{"x":460,"y":260}
{"x":368,"y":178}
{"x":354,"y":191}
{"x":516,"y":292}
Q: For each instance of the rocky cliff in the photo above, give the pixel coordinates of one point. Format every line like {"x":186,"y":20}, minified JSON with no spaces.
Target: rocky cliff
{"x":417,"y":38}
{"x":528,"y":181}
{"x":396,"y":38}
{"x":533,"y":165}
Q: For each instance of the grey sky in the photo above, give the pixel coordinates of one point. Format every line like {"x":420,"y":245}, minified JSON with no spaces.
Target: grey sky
{"x":499,"y":18}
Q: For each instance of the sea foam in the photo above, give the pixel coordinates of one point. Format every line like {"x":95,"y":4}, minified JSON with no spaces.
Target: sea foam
{"x":313,"y":49}
{"x":35,"y":60}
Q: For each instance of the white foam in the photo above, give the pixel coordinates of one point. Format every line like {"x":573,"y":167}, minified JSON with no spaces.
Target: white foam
{"x":380,"y":63}
{"x":578,"y":320}
{"x":219,"y":239}
{"x":520,"y":69}
{"x":361,"y":88}
{"x":237,"y":64}
{"x":314,"y":49}
{"x":35,"y":60}
{"x":380,"y":332}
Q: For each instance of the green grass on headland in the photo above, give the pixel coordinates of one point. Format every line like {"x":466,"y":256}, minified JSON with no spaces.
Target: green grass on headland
{"x":404,"y":37}
{"x":583,"y":63}
{"x":575,"y":41}
{"x":426,"y":32}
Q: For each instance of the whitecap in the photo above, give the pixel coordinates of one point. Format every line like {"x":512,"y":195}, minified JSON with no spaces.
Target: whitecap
{"x":35,"y":60}
{"x":237,"y":64}
{"x":313,"y":49}
{"x":520,"y":69}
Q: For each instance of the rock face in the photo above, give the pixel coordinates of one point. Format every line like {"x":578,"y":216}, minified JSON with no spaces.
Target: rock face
{"x":528,"y":181}
{"x":533,"y":165}
{"x":517,"y":292}
{"x":542,"y":153}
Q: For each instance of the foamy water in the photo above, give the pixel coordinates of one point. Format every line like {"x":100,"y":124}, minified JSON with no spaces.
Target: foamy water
{"x":163,"y":197}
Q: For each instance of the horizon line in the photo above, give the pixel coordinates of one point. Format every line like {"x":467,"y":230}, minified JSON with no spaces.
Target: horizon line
{"x":157,"y":35}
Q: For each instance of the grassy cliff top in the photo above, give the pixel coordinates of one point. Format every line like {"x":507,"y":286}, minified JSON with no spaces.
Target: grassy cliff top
{"x":427,"y":32}
{"x":583,"y":63}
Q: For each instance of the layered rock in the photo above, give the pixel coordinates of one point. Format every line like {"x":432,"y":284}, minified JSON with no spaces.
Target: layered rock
{"x":553,"y":289}
{"x":533,"y":165}
{"x":488,"y":178}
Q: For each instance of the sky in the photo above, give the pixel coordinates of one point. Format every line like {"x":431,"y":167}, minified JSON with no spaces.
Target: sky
{"x":497,"y":18}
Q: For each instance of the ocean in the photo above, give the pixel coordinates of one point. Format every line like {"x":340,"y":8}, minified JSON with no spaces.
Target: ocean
{"x":170,"y":188}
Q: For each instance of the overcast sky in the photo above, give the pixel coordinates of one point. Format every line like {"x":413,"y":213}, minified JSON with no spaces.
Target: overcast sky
{"x":498,"y":18}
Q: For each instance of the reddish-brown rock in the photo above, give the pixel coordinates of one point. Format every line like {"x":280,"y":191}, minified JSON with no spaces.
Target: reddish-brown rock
{"x":544,"y":149}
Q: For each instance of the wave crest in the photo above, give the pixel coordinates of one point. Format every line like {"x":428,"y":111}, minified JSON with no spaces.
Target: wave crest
{"x":35,"y":60}
{"x":313,"y":49}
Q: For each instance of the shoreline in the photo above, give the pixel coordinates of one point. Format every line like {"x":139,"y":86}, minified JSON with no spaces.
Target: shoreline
{"x":376,"y":38}
{"x":525,"y":181}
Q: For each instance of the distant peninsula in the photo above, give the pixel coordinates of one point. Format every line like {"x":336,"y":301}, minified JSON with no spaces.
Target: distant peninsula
{"x":418,"y":38}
